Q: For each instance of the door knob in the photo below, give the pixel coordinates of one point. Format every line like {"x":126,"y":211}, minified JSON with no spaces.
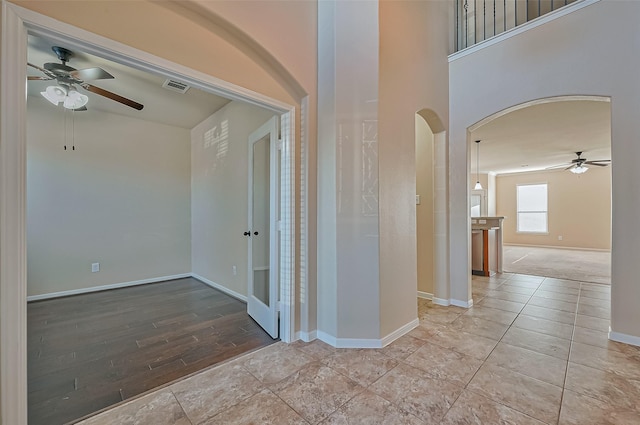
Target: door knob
{"x":247,"y":233}
{"x":255,"y":233}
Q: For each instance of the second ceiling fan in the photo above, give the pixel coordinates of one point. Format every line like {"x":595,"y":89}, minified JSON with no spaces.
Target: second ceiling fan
{"x":577,"y":165}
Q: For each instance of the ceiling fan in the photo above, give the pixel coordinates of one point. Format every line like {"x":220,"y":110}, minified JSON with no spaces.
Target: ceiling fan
{"x":69,"y":78}
{"x":577,"y":165}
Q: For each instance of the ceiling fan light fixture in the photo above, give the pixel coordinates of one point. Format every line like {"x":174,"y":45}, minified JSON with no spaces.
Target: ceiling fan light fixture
{"x":579,"y":169}
{"x":478,"y":186}
{"x":54,"y":94}
{"x":75,"y":100}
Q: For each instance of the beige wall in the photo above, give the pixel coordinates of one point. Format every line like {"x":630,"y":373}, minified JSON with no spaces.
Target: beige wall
{"x":219,"y":191}
{"x":413,"y":76}
{"x":533,"y":65}
{"x":579,"y":208}
{"x":424,"y":210}
{"x":122,"y":199}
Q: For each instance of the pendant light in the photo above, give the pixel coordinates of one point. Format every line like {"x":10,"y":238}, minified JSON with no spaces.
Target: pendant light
{"x":478,"y":186}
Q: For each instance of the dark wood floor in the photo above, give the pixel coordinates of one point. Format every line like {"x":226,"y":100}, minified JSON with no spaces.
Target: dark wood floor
{"x":90,"y":351}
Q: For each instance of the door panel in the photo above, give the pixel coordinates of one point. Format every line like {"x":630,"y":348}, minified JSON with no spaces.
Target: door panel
{"x":263,"y":215}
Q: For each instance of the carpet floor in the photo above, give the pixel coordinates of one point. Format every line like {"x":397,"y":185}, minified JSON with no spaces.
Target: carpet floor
{"x":583,"y":266}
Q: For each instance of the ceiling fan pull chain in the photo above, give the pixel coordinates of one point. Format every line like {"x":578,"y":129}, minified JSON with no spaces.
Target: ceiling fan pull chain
{"x":64,"y":115}
{"x":73,"y":129}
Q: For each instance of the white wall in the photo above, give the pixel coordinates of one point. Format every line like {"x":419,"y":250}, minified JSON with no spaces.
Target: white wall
{"x":571,"y":55}
{"x":122,"y":199}
{"x":219,"y":194}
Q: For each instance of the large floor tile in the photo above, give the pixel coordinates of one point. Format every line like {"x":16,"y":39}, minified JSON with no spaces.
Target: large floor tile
{"x":597,"y":302}
{"x":264,"y":408}
{"x":364,"y":366}
{"x":601,"y":339}
{"x":369,"y":408}
{"x":604,"y":386}
{"x":531,"y":363}
{"x":520,"y":392}
{"x":517,"y":289}
{"x":437,"y":313}
{"x":403,"y":347}
{"x":508,"y":296}
{"x":500,"y":304}
{"x":444,"y":363}
{"x":500,"y":316}
{"x":472,"y":345}
{"x":622,"y":364}
{"x":316,"y":348}
{"x":471,"y":408}
{"x":573,"y":289}
{"x":159,"y":408}
{"x":556,"y":295}
{"x":592,"y":322}
{"x":426,"y":330}
{"x":479,"y":326}
{"x":545,"y":344}
{"x":578,"y":409}
{"x":417,"y":392}
{"x":588,"y":293}
{"x":316,"y":391}
{"x":276,"y":362}
{"x":603,"y":312}
{"x":210,"y":392}
{"x":549,"y":314}
{"x":568,"y":306}
{"x":548,"y":327}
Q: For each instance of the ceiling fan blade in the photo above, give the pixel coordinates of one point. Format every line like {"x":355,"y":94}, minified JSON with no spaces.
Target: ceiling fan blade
{"x":596,"y":163}
{"x":571,"y":166}
{"x":46,"y":72}
{"x":112,"y":96}
{"x":91,"y":74}
{"x":30,"y":78}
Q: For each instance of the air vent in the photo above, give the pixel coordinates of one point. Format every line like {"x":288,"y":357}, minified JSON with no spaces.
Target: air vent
{"x":175,"y":86}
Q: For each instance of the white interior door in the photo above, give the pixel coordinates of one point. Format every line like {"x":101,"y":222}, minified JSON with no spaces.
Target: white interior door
{"x":262,"y":235}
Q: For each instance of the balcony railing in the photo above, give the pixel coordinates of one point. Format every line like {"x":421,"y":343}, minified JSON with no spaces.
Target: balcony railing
{"x":478,"y":20}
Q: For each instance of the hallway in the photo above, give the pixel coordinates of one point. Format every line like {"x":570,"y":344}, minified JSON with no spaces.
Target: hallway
{"x":533,"y":350}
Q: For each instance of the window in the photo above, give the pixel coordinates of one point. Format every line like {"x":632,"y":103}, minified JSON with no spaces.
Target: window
{"x":532,"y":208}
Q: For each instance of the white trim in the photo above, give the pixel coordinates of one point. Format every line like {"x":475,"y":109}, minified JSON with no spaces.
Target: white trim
{"x":425,"y":295}
{"x":13,"y":244}
{"x":624,"y":338}
{"x":304,"y":220}
{"x":403,"y":330}
{"x":219,"y":287}
{"x":349,"y":342}
{"x":573,"y":248}
{"x":441,"y":301}
{"x":105,"y":287}
{"x":307,"y":336}
{"x":546,"y":18}
{"x":464,"y":304}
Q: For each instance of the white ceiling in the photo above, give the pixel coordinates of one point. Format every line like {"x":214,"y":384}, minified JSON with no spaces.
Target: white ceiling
{"x":543,"y":135}
{"x":160,"y":104}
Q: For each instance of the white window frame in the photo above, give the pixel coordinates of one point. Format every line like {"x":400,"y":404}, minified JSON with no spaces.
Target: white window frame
{"x":518,"y":212}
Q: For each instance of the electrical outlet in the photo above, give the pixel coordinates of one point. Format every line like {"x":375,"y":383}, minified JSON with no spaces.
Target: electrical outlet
{"x":235,"y":270}
{"x":417,"y":199}
{"x":95,"y":267}
{"x":560,"y":237}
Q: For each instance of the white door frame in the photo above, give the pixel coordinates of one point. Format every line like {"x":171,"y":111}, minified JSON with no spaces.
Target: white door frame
{"x":16,"y":22}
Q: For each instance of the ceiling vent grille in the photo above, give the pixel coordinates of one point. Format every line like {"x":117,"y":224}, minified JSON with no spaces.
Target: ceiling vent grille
{"x":176,"y":86}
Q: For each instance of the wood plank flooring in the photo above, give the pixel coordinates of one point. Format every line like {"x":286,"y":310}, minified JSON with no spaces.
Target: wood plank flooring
{"x":90,"y":351}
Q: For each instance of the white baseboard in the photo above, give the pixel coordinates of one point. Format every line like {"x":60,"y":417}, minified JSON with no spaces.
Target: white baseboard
{"x":219,"y":287}
{"x":349,"y":342}
{"x":624,"y":338}
{"x":400,"y":332}
{"x":464,"y":304}
{"x":366,"y":343}
{"x":105,"y":287}
{"x":425,"y":295}
{"x":573,"y":248}
{"x":441,"y":301}
{"x":307,"y":336}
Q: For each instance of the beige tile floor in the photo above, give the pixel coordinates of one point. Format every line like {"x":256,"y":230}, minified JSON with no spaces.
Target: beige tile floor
{"x":531,"y":351}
